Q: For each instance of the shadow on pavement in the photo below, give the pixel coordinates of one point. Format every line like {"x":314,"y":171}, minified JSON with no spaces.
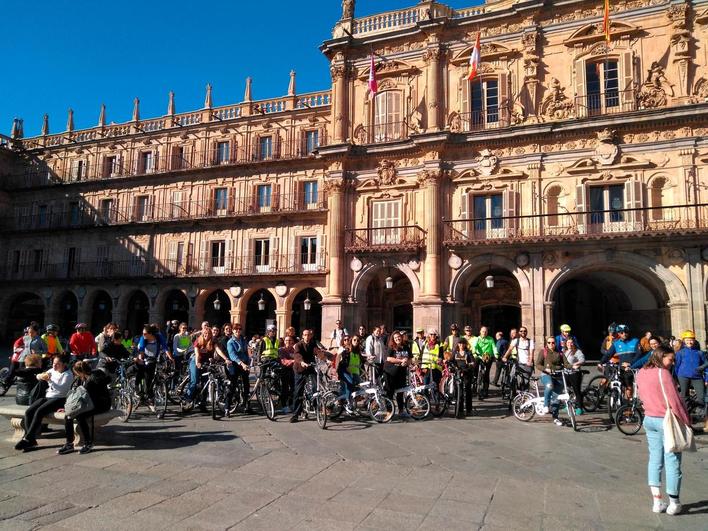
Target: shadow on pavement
{"x":700,"y":507}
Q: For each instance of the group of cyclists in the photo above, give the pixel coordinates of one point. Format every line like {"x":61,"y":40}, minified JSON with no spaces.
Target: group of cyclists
{"x":424,"y":366}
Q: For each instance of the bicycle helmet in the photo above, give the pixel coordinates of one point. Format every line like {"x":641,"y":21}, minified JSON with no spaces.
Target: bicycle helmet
{"x":612,"y":328}
{"x":688,"y":334}
{"x":52,"y":328}
{"x":565,"y":328}
{"x":454,"y":326}
{"x":622,"y":328}
{"x":80,"y":325}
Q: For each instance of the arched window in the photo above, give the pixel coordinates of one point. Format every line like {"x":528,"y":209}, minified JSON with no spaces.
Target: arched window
{"x":388,"y":116}
{"x":604,"y":85}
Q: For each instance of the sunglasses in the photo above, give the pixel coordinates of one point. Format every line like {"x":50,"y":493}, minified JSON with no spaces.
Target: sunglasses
{"x":550,"y":343}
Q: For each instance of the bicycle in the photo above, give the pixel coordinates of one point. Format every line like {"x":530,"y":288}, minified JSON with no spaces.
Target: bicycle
{"x":319,"y":400}
{"x":123,"y":391}
{"x":526,"y":404}
{"x":415,"y":401}
{"x":158,"y":390}
{"x":629,"y":417}
{"x":212,"y":392}
{"x":267,"y":387}
{"x":605,"y":386}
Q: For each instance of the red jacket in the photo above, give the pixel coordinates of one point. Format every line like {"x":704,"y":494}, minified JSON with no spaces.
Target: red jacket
{"x":82,"y":344}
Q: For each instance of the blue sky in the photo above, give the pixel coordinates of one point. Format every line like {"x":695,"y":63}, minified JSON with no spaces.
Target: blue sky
{"x":58,"y":54}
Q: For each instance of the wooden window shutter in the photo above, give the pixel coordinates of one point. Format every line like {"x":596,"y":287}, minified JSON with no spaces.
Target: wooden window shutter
{"x":504,"y":99}
{"x":627,"y":81}
{"x":276,"y":197}
{"x":464,"y":95}
{"x":172,"y":256}
{"x":228,"y":254}
{"x":581,"y":206}
{"x":510,"y":210}
{"x":581,"y":100}
{"x":203,"y":264}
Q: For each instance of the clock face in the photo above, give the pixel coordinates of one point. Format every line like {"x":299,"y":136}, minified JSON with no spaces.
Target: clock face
{"x":281,"y":290}
{"x":236,"y":291}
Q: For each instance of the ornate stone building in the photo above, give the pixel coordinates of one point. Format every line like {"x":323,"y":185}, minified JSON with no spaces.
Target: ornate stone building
{"x":566,"y":183}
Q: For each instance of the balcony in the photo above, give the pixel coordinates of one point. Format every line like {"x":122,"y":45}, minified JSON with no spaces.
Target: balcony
{"x":381,"y":133}
{"x":237,"y":207}
{"x":289,"y":264}
{"x":490,"y":118}
{"x":187,"y":160}
{"x":605,"y":103}
{"x":577,"y":226}
{"x":402,"y":238}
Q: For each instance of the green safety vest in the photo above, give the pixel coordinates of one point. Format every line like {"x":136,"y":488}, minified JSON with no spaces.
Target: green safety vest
{"x":354,"y":363}
{"x":431,"y":357}
{"x":271,"y":348}
{"x":127,"y":343}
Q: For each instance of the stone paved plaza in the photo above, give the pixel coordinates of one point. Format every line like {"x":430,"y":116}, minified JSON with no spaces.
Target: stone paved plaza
{"x":487,"y":472}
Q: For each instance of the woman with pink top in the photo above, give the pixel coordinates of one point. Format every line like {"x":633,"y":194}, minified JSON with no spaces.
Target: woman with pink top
{"x":656,"y":387}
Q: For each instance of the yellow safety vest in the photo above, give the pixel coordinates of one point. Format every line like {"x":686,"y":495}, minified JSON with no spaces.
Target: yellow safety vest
{"x":271,"y":349}
{"x":431,"y":357}
{"x":354,"y":363}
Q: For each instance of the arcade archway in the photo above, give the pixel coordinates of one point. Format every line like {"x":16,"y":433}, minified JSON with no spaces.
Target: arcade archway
{"x":176,"y":306}
{"x":68,"y":314}
{"x":257,"y":319}
{"x":496,"y":306}
{"x":390,"y":306}
{"x":138,"y":312}
{"x":101,"y":311}
{"x":589,"y":301}
{"x":217,"y":308}
{"x":312,"y":318}
{"x":24,"y":308}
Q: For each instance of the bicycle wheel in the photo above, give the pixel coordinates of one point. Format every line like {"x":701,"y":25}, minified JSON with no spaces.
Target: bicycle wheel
{"x":321,"y":410}
{"x":3,"y":376}
{"x":614,"y":402}
{"x":160,"y":399}
{"x":523,"y":406}
{"x":594,"y":393}
{"x":512,"y":392}
{"x":570,"y":409}
{"x":459,"y":406}
{"x":381,"y":409}
{"x":265,"y":399}
{"x":438,"y":403}
{"x":629,"y":419}
{"x":417,"y":405}
{"x":123,"y":402}
{"x":213,"y":394}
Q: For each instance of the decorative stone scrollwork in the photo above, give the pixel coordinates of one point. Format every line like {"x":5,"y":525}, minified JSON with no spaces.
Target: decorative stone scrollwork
{"x":487,"y":162}
{"x":360,"y":136}
{"x":386,"y":173}
{"x":607,"y":150}
{"x":347,"y":9}
{"x":414,"y":121}
{"x":426,"y":177}
{"x":700,"y":91}
{"x":337,"y":72}
{"x":454,"y":122}
{"x":653,"y":92}
{"x":336,"y":185}
{"x":433,"y":54}
{"x":557,"y":106}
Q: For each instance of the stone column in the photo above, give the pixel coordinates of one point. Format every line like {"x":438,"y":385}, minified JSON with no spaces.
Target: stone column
{"x":280,"y":323}
{"x":338,"y":71}
{"x":237,"y":316}
{"x":332,"y":302}
{"x":432,"y":57}
{"x":548,"y":320}
{"x":696,"y":294}
{"x":430,"y":178}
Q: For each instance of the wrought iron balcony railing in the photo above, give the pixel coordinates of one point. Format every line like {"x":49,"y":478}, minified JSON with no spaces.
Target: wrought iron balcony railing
{"x":281,"y":264}
{"x":493,"y":117}
{"x":604,"y":103}
{"x":228,"y":207}
{"x":586,"y":225}
{"x":384,"y":239}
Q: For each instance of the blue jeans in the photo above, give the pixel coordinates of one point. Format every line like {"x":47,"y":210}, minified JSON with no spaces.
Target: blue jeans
{"x":193,"y":378}
{"x":658,"y":459}
{"x":550,"y":386}
{"x":347,"y":383}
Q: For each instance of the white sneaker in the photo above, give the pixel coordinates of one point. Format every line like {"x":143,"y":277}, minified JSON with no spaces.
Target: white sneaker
{"x":674,"y":508}
{"x":544,"y":410}
{"x":659,"y":505}
{"x":558,"y":422}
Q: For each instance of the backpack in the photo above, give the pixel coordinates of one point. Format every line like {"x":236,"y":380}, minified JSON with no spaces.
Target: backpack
{"x":77,"y":401}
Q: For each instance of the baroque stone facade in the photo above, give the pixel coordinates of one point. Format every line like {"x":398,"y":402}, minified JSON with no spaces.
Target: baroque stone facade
{"x":571,"y":171}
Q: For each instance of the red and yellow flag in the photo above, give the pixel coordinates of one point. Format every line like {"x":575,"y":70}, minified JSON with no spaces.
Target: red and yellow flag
{"x":606,"y":21}
{"x":474,"y":60}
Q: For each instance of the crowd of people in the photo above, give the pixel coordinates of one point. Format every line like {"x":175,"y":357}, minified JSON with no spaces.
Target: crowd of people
{"x":46,"y":368}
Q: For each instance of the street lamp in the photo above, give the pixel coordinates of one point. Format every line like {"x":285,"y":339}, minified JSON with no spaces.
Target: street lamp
{"x":389,"y":282}
{"x":261,"y":303}
{"x":307,"y":303}
{"x":489,"y":279}
{"x":217,"y":302}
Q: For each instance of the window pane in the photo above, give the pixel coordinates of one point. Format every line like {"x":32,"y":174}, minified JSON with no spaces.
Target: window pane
{"x":611,"y":84}
{"x":479,"y":212}
{"x":311,"y":141}
{"x":592,"y":86}
{"x":310,"y":189}
{"x":264,"y":196}
{"x":220,"y":198}
{"x":497,"y":211}
{"x":492,"y":101}
{"x":222,"y":152}
{"x":476,"y":104}
{"x":617,"y":202}
{"x":597,"y":204}
{"x":266,"y":147}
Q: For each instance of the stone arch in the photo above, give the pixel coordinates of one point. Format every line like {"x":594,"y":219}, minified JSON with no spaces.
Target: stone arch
{"x":357,"y":290}
{"x":477,"y":265}
{"x":663,"y":283}
{"x":22,"y":307}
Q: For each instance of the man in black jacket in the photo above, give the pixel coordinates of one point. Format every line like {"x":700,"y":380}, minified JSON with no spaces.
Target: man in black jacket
{"x":304,"y":365}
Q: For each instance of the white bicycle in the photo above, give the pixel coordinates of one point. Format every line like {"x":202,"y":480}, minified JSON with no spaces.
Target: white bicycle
{"x":526,"y":405}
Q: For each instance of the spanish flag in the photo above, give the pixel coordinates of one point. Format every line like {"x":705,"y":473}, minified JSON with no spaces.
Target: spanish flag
{"x":606,"y":21}
{"x":474,"y":60}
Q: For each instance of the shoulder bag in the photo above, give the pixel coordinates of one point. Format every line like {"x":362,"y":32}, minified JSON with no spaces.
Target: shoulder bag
{"x":677,"y":436}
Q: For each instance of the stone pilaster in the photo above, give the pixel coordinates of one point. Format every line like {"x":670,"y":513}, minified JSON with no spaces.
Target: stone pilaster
{"x":432,"y":58}
{"x":430,"y":178}
{"x":338,"y":70}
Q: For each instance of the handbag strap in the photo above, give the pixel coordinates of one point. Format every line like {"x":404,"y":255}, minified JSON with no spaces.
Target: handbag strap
{"x":661,"y":384}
